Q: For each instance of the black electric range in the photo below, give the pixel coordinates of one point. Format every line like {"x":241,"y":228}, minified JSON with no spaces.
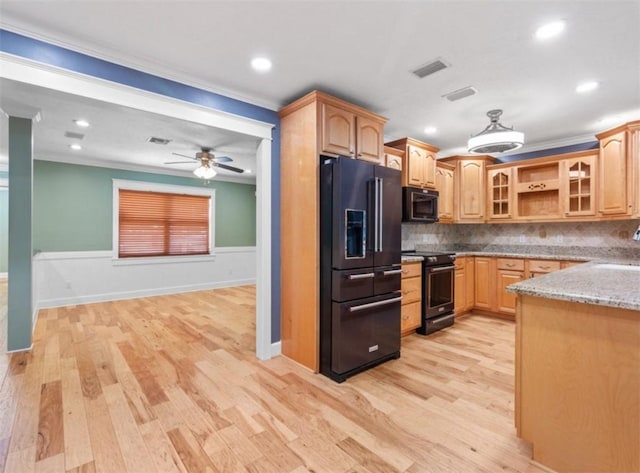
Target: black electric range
{"x":438,"y":289}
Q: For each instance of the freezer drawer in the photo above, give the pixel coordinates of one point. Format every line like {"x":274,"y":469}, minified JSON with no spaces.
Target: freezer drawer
{"x":352,"y":284}
{"x":388,"y":279}
{"x":364,"y":331}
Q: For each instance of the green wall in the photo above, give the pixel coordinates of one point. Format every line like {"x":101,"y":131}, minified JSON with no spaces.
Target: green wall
{"x":73,"y":206}
{"x":4,"y":229}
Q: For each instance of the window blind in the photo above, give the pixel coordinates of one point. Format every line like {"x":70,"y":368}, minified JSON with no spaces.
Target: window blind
{"x":162,"y":224}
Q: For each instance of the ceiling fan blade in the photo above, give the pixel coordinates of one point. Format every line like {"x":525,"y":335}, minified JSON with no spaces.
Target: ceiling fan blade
{"x":185,"y":156}
{"x":230,"y":168}
{"x":178,"y":162}
{"x":222,"y":159}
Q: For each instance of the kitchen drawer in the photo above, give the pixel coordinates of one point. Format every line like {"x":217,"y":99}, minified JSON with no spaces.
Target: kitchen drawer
{"x":411,"y":290}
{"x":512,"y":264}
{"x":543,"y":266}
{"x":410,"y":316}
{"x":411,"y":270}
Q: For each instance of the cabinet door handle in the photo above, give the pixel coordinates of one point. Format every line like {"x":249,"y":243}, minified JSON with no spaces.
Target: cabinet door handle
{"x":510,"y":265}
{"x":351,"y":152}
{"x":360,"y":155}
{"x":545,"y":267}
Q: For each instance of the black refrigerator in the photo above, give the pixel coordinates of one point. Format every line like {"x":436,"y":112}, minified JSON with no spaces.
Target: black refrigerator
{"x":360,"y":265}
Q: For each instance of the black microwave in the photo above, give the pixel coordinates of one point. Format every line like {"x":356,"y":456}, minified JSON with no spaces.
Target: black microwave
{"x":419,"y":205}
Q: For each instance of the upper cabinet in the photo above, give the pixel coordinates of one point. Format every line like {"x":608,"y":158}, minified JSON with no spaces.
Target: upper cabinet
{"x":469,"y":187}
{"x":419,"y":167}
{"x":393,"y":158}
{"x":499,"y":194}
{"x":349,"y":131}
{"x":618,"y":170}
{"x":579,"y":185}
{"x":445,"y":186}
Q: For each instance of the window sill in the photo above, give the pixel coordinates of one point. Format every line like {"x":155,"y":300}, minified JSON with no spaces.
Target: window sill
{"x":163,"y":260}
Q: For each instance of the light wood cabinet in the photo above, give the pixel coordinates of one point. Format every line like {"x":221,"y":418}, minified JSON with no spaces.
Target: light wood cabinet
{"x":537,"y":267}
{"x":393,"y":158}
{"x":537,"y":190}
{"x":346,"y":132}
{"x":445,"y":187}
{"x":464,"y":284}
{"x":614,"y":179}
{"x":469,"y":187}
{"x":579,"y":185}
{"x":312,"y":125}
{"x":509,"y":271}
{"x":419,"y":167}
{"x":485,"y":288}
{"x":411,"y":307}
{"x":499,"y":198}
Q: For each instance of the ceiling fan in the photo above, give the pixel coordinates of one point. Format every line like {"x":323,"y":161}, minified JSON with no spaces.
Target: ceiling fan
{"x":208,"y":161}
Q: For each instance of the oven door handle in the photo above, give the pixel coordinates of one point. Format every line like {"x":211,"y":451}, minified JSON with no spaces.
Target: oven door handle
{"x":440,"y":268}
{"x":441,"y":319}
{"x":371,"y":305}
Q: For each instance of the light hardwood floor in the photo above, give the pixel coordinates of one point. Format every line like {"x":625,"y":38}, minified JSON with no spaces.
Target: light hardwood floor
{"x":171,"y":383}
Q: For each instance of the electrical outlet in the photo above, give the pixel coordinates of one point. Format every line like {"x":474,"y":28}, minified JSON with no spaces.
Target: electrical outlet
{"x":636,"y":235}
{"x":522,"y":238}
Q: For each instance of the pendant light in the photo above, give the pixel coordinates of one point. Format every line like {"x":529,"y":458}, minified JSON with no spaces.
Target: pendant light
{"x":495,"y":138}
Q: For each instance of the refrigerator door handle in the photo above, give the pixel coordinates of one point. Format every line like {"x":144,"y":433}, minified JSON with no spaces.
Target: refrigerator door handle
{"x":380,"y":209}
{"x":371,"y":305}
{"x":376,"y":211}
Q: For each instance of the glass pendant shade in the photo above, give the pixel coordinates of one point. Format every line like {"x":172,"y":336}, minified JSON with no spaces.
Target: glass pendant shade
{"x":205,"y":172}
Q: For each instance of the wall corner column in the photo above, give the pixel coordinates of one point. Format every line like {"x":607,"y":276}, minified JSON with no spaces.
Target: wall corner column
{"x":20,"y":284}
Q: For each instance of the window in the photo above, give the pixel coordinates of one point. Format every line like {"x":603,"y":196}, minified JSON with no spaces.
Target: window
{"x":152,"y":220}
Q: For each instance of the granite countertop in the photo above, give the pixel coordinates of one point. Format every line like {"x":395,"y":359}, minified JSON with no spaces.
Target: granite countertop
{"x":598,"y":282}
{"x":508,"y":254}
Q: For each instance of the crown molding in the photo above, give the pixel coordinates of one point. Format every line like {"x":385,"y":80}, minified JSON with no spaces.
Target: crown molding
{"x":140,"y":64}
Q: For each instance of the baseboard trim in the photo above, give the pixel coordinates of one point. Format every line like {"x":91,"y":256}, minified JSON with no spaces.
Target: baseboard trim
{"x":276,"y":349}
{"x":19,"y":350}
{"x":116,"y":296}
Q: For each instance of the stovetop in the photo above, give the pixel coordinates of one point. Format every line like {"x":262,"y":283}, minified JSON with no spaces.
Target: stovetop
{"x":432,"y":258}
{"x":427,"y":253}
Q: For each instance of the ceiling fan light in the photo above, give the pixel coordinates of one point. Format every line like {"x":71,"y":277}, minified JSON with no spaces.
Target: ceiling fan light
{"x":205,"y":172}
{"x":495,"y":138}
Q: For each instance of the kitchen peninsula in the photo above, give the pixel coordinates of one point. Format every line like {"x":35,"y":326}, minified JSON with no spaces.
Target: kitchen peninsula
{"x":578,"y":367}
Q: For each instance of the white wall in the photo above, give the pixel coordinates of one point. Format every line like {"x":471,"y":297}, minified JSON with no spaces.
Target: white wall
{"x":78,"y":277}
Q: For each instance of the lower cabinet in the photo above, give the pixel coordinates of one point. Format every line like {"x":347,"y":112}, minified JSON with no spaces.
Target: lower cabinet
{"x":464,"y":285}
{"x":485,"y":270}
{"x":411,"y":308}
{"x":509,"y":271}
{"x":481,"y":281}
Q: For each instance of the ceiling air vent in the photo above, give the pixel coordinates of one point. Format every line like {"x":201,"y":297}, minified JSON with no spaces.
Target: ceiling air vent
{"x":158,"y":141}
{"x":430,"y":68}
{"x":460,"y":93}
{"x":73,"y":135}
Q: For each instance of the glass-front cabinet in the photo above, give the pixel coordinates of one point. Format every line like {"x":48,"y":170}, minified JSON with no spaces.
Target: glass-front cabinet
{"x":579,"y":186}
{"x":499,"y":199}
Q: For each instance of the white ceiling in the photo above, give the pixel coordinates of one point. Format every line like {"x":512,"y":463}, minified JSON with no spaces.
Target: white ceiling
{"x":118,"y":136}
{"x":363,"y":51}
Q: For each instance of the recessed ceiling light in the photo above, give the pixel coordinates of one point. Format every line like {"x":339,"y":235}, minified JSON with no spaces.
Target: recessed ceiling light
{"x":261,"y":64}
{"x":82,"y":123}
{"x":247,"y":171}
{"x":75,"y":146}
{"x":550,"y":30}
{"x":430,"y":130}
{"x":587,"y":87}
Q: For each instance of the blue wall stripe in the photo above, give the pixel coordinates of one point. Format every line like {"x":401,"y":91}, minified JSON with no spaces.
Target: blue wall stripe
{"x":550,"y":152}
{"x":40,"y":51}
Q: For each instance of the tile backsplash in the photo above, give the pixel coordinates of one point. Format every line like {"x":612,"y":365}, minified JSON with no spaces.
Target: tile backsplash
{"x":599,"y":238}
